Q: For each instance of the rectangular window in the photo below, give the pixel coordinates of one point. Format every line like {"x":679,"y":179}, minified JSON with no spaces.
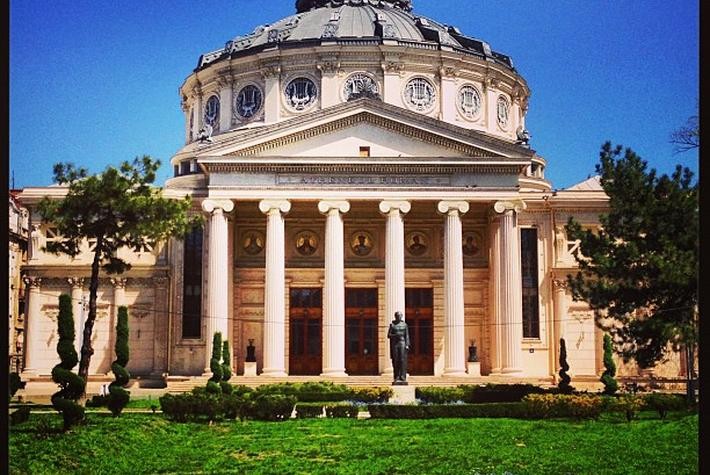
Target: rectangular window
{"x":531,"y":298}
{"x":184,"y":167}
{"x":364,"y":151}
{"x":192,"y":285}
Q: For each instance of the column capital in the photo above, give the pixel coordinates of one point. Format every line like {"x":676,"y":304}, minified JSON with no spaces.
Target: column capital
{"x":272,"y":206}
{"x":161,"y":281}
{"x":387,"y":207}
{"x":560,"y":284}
{"x":118,"y":282}
{"x":33,"y":282}
{"x":501,"y":207}
{"x":326,"y":206}
{"x":210,"y":205}
{"x":75,"y":282}
{"x":453,"y":207}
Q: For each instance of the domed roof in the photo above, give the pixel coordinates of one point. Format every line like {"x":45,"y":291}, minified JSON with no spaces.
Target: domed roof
{"x":354,"y":21}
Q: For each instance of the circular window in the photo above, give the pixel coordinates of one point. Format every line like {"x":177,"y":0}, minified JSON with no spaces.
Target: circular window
{"x":503,"y":112}
{"x":248,"y":101}
{"x":212,"y":112}
{"x":469,"y":102}
{"x":301,"y":93}
{"x":420,"y":94}
{"x":360,"y":85}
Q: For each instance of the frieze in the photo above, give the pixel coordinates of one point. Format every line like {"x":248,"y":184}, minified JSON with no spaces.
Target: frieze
{"x":362,"y":180}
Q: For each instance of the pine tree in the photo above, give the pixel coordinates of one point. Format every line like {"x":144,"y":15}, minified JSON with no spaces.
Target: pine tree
{"x":564,"y":383}
{"x":71,"y":385}
{"x":118,"y":397}
{"x":610,"y":384}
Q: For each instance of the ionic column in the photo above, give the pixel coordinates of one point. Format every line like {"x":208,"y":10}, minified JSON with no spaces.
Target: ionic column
{"x":334,"y":289}
{"x":559,"y":300}
{"x":274,"y":296}
{"x":32,"y":325}
{"x":510,"y":287}
{"x":77,"y":290}
{"x":217,"y":273}
{"x":119,"y":298}
{"x":494,"y":292}
{"x":454,"y":345}
{"x":394,"y":264}
{"x":160,"y":326}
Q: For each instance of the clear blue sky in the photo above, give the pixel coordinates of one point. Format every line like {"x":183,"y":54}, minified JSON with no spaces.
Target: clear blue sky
{"x":96,"y":81}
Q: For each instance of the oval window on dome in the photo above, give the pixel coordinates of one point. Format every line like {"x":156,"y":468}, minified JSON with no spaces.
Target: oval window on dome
{"x":301,"y":93}
{"x":248,"y":101}
{"x":212,"y":112}
{"x":420,"y":94}
{"x":503,"y":112}
{"x":469,"y":102}
{"x":360,"y":85}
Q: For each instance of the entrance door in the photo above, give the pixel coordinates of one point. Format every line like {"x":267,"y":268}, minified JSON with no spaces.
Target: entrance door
{"x":305,"y":317}
{"x":419,"y":315}
{"x":361,"y":331}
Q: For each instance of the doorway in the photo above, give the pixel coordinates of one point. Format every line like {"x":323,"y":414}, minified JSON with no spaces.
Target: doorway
{"x":306,"y":320}
{"x":419,"y":315}
{"x":361,"y":331}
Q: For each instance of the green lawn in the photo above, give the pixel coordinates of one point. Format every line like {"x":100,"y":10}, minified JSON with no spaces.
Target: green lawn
{"x":147,"y":443}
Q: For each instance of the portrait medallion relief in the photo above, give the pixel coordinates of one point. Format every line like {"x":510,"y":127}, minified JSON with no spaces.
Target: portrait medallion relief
{"x":417,"y":243}
{"x":306,"y":243}
{"x":361,"y":243}
{"x":253,"y":242}
{"x":472,"y":244}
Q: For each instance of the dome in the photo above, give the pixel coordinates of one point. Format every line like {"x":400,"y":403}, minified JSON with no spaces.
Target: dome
{"x":360,"y":22}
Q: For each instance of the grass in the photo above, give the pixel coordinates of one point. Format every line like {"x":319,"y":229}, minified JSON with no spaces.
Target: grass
{"x":146,"y":443}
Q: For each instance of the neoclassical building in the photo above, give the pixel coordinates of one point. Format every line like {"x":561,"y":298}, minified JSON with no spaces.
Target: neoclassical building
{"x":351,"y":160}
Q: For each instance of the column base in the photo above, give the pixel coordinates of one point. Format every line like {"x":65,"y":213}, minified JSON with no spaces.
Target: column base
{"x":516,"y":372}
{"x":455,"y":372}
{"x":29,"y":373}
{"x":334,"y":373}
{"x":273,"y":373}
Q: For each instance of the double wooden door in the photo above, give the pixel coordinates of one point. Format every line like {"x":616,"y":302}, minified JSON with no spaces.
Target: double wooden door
{"x":419,"y":315}
{"x":361,"y":331}
{"x":306,"y":321}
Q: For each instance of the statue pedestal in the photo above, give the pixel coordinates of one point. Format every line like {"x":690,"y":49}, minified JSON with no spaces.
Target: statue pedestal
{"x":473,"y":368}
{"x":403,"y":395}
{"x":250,"y":368}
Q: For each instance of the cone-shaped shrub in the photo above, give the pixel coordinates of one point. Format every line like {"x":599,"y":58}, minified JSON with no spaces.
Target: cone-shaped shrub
{"x":215,"y":365}
{"x":226,"y":368}
{"x":117,"y":396}
{"x":71,"y":385}
{"x":564,"y":385}
{"x":610,"y":384}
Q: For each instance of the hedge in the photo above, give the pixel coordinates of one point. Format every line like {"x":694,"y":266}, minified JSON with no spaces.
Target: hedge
{"x":312,"y":410}
{"x":515,"y":410}
{"x":575,"y":406}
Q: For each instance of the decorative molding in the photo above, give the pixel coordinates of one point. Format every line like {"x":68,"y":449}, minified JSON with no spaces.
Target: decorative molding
{"x":119,"y":282}
{"x":32,"y":282}
{"x":75,"y":282}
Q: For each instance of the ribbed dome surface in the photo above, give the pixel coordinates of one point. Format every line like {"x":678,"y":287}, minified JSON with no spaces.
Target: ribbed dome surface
{"x":345,"y":21}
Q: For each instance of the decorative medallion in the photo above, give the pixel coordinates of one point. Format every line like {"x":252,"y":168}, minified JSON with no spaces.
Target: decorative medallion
{"x":212,"y":112}
{"x":503,"y":109}
{"x":420,"y":94}
{"x":253,"y":242}
{"x":472,"y":244}
{"x":361,"y":243}
{"x":248,"y":101}
{"x":417,"y":243}
{"x":301,"y":93}
{"x":306,"y":243}
{"x":360,"y":85}
{"x":469,"y":102}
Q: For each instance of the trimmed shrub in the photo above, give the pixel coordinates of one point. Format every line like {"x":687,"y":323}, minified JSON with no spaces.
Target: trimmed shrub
{"x":610,"y":384}
{"x":19,"y":415}
{"x":515,"y":410}
{"x":192,"y":407}
{"x":226,"y":360}
{"x":225,"y":387}
{"x":271,"y":407}
{"x":564,"y":385}
{"x":538,"y":406}
{"x":71,"y":385}
{"x":117,"y":396}
{"x":436,"y":395}
{"x":213,"y":387}
{"x":663,"y":403}
{"x":309,"y":391}
{"x":498,"y":392}
{"x":235,"y":406}
{"x":342,"y":410}
{"x":98,"y":400}
{"x":215,"y":365}
{"x":371,"y":395}
{"x":627,"y":404}
{"x":15,"y":384}
{"x":305,"y":410}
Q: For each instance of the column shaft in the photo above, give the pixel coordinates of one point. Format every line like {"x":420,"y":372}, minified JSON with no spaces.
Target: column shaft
{"x":334,"y":289}
{"x":32,"y":325}
{"x":77,"y":307}
{"x":274,"y":298}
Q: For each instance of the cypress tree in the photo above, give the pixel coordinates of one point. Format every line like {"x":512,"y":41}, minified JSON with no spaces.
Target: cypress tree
{"x":610,"y":384}
{"x":564,"y":384}
{"x":215,"y":365}
{"x":71,"y":385}
{"x":119,"y":397}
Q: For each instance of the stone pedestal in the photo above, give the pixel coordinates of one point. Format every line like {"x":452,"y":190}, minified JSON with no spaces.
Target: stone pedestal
{"x":250,"y":368}
{"x":403,"y":395}
{"x":473,"y":368}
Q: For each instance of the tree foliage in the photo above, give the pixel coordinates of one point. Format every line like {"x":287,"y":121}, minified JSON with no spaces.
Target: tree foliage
{"x":71,"y":385}
{"x":215,"y":365}
{"x":639,"y":271}
{"x":118,"y":397}
{"x":687,"y":137}
{"x":564,"y":384}
{"x":610,"y":384}
{"x":118,"y":208}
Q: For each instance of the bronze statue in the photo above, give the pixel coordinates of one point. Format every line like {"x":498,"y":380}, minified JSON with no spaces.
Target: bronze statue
{"x":398,"y":335}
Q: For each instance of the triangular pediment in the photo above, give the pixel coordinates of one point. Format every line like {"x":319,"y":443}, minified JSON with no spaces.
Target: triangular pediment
{"x":341,"y":130}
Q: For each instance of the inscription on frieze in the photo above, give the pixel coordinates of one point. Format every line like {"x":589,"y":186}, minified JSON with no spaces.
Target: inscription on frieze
{"x":402,"y":180}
